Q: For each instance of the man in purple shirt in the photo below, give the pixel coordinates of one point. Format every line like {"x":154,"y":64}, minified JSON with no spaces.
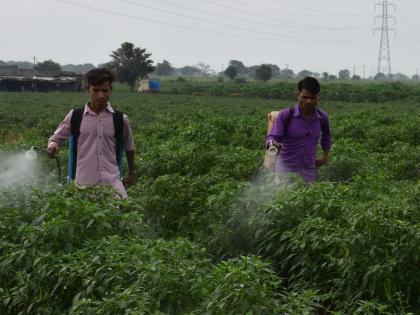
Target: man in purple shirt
{"x":97,"y":143}
{"x":297,"y":131}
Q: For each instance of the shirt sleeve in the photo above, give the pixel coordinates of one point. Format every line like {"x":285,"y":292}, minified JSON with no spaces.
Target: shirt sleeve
{"x":326,"y":138}
{"x":277,"y":129}
{"x":128,"y":135}
{"x":63,"y":131}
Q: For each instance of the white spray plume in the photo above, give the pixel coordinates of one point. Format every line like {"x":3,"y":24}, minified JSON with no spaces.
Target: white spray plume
{"x":266,"y":185}
{"x":18,"y":169}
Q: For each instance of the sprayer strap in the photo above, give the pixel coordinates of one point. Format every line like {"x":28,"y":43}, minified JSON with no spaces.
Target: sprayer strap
{"x":288,"y":119}
{"x":118,"y":118}
{"x":75,"y":122}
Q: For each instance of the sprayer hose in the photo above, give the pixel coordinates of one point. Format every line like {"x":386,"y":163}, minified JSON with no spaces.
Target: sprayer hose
{"x":58,"y":168}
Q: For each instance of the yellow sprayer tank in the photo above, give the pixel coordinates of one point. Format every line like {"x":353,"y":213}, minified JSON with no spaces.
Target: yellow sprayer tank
{"x":269,"y":160}
{"x":144,"y":86}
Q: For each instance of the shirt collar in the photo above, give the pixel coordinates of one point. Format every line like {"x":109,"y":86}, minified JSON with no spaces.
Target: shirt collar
{"x":88,"y":110}
{"x":297,"y":112}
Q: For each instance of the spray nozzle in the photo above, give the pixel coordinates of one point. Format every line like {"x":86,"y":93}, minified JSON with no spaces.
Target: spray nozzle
{"x":272,"y":149}
{"x":32,"y":153}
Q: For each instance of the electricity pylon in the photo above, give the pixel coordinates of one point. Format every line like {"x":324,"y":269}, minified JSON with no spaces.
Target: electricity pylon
{"x":384,"y":50}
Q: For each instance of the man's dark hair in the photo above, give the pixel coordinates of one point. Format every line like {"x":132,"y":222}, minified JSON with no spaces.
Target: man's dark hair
{"x":310,"y":84}
{"x":98,"y":76}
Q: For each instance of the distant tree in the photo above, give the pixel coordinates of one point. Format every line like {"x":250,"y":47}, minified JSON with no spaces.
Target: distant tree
{"x":325,"y":75}
{"x":21,"y":64}
{"x":344,"y":74}
{"x":263,"y":73}
{"x":164,"y":68}
{"x":240,"y":80}
{"x":415,"y":77}
{"x":48,"y":65}
{"x":400,"y":77}
{"x":231,"y":72}
{"x":316,"y":75}
{"x":131,"y":63}
{"x":79,"y":69}
{"x":240,"y":67}
{"x":2,"y":63}
{"x":275,"y":70}
{"x":332,"y":77}
{"x":305,"y":73}
{"x":106,"y":65}
{"x":205,"y":69}
{"x":251,"y":70}
{"x":189,"y":70}
{"x":380,"y":76}
{"x":286,"y":74}
{"x":356,"y":77}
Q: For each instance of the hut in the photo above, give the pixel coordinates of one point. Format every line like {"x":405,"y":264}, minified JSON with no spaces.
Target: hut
{"x":18,"y":80}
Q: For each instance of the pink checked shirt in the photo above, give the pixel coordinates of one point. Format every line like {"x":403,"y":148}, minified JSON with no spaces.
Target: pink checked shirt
{"x":96,"y":162}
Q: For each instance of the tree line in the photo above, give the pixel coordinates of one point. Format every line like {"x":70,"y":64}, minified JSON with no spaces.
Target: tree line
{"x":132,"y":63}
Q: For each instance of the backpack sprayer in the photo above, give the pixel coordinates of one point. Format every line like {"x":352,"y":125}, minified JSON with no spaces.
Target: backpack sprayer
{"x":32,"y":154}
{"x":272,"y":151}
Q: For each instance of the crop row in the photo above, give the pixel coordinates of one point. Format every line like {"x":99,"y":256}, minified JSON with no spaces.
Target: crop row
{"x":205,"y":230}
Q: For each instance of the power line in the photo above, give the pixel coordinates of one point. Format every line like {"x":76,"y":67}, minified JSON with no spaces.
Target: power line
{"x":228,"y":25}
{"x":208,"y":21}
{"x":234,"y":18}
{"x":194,"y":29}
{"x":409,"y":36}
{"x":324,"y":15}
{"x":315,"y":10}
{"x":412,"y":29}
{"x":416,"y":49}
{"x":270,"y":17}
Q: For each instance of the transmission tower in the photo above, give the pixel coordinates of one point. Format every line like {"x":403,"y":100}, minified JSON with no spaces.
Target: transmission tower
{"x":384,"y":59}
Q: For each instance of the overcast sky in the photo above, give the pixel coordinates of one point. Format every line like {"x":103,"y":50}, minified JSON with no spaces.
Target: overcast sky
{"x":321,"y":35}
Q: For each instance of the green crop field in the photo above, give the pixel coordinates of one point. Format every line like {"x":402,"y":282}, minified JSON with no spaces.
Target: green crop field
{"x":204,"y":230}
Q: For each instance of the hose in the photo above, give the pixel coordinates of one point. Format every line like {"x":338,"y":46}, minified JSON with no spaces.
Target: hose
{"x":57,"y":159}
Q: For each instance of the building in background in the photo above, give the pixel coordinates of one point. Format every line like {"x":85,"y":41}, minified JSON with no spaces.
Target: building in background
{"x":20,"y":80}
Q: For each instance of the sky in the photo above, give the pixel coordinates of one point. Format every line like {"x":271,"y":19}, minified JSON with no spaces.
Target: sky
{"x":320,"y":36}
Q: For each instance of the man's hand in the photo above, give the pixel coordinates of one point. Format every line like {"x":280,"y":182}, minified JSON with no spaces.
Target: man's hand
{"x":129,"y":179}
{"x":52,"y":149}
{"x":322,"y":161}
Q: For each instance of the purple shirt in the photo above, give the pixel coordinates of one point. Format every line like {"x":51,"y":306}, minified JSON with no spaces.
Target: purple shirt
{"x":298,"y":154}
{"x":96,"y":146}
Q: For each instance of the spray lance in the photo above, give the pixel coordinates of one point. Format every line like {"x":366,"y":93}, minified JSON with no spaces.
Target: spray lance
{"x":33,"y":152}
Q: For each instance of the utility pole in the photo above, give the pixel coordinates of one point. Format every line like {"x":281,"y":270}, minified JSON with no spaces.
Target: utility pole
{"x":364,"y":71}
{"x":287,"y":71}
{"x":384,"y":51}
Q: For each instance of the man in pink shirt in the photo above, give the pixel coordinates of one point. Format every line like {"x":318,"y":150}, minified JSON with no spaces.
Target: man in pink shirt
{"x":97,"y":143}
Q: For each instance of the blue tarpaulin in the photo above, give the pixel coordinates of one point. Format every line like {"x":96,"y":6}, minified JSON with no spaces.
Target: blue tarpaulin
{"x":154,"y":85}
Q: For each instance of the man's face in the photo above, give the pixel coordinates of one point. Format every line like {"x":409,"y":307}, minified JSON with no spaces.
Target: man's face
{"x":307,"y":100}
{"x":100,"y":94}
